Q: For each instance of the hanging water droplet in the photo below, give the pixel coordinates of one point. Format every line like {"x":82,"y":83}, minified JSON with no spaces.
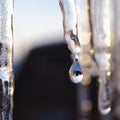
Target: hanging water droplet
{"x":75,"y":72}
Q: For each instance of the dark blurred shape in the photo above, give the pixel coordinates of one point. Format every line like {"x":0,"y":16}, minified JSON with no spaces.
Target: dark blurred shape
{"x":43,"y":90}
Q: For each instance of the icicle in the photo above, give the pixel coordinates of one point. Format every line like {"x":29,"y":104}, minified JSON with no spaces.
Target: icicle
{"x":100,"y":15}
{"x":6,"y":68}
{"x":71,"y":37}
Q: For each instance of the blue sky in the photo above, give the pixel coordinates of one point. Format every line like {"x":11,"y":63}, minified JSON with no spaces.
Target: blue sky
{"x":35,"y":20}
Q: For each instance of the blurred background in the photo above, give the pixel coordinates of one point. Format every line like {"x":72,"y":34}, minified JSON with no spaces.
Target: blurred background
{"x":34,"y":21}
{"x":41,"y":63}
{"x":43,"y":90}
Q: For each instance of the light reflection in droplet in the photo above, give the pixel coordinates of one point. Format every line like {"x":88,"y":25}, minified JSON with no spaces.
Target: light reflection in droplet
{"x":75,"y":72}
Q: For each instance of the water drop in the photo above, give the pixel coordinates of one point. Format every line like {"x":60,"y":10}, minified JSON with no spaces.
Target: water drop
{"x":75,"y":73}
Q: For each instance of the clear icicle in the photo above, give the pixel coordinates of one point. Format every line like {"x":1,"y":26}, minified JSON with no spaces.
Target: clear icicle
{"x":70,"y":25}
{"x":71,"y":34}
{"x":100,"y":15}
{"x":6,"y":68}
